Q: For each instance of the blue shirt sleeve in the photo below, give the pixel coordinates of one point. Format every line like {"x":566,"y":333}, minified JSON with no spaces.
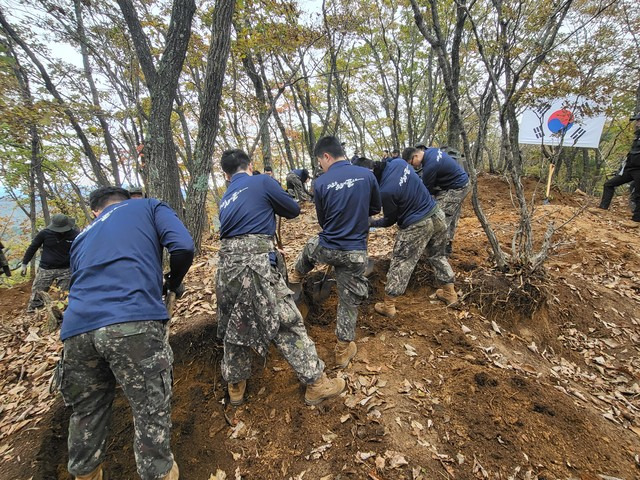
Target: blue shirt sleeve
{"x":171,"y":231}
{"x":282,"y":203}
{"x":375,"y":204}
{"x":390,"y":212}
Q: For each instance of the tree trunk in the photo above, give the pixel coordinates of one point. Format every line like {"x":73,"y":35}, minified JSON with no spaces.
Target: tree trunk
{"x":106,"y":133}
{"x":209,"y":118}
{"x":159,"y":148}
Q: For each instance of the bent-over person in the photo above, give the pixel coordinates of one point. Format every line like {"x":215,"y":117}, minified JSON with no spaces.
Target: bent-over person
{"x":422,"y":233}
{"x":115,"y":330}
{"x":446,"y":181}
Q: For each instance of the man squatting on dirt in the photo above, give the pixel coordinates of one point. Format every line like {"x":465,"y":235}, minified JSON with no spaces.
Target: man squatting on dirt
{"x":114,"y":330}
{"x":345,"y":196}
{"x":255,"y":306}
{"x":445,"y":179}
{"x":422,"y":232}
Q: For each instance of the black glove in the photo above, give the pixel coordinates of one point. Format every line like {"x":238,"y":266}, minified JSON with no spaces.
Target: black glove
{"x":168,"y":286}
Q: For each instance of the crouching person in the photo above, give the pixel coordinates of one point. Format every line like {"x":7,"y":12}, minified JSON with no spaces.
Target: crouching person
{"x":422,"y":232}
{"x":114,"y":330}
{"x":255,"y":306}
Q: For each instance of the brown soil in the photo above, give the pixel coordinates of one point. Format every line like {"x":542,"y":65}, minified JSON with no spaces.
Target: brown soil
{"x":546,"y":388}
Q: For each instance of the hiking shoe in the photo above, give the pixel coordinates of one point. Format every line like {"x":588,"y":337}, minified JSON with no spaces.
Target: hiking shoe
{"x":447,"y":294}
{"x":236,"y":393}
{"x":95,"y":475}
{"x":174,"y":473}
{"x":323,"y":388}
{"x":387,"y":307}
{"x":345,"y":351}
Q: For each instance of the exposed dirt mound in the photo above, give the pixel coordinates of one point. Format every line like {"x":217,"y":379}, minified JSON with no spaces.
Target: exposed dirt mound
{"x":513,"y":383}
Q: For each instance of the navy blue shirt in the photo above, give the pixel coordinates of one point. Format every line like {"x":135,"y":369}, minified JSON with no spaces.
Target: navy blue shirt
{"x":116,"y":265}
{"x":441,"y":172}
{"x":345,"y":197}
{"x":250,"y":203}
{"x":405,"y":199}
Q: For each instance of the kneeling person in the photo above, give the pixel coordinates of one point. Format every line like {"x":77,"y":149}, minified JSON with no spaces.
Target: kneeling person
{"x":114,"y":330}
{"x":255,"y":306}
{"x":422,"y":232}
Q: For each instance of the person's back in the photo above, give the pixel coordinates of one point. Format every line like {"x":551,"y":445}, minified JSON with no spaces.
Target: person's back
{"x":346,"y":195}
{"x":405,"y":199}
{"x":441,"y":172}
{"x":116,"y":265}
{"x":249,"y":204}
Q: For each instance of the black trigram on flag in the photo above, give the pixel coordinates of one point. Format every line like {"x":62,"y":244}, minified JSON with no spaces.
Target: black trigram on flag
{"x":538,"y":132}
{"x":578,"y":134}
{"x":540,"y":110}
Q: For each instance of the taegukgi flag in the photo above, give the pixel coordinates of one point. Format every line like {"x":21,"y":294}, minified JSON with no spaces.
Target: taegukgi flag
{"x":570,"y":122}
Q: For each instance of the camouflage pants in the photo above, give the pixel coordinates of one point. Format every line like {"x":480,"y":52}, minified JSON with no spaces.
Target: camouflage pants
{"x":450,"y":201}
{"x":138,"y":357}
{"x":43,"y":281}
{"x":425,"y":239}
{"x":293,"y":342}
{"x":352,"y":285}
{"x":296,"y":188}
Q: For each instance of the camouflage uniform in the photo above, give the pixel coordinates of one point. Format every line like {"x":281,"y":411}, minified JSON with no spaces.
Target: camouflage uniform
{"x":255,"y":307}
{"x":296,"y":188}
{"x":425,"y":239}
{"x":4,"y":264}
{"x":352,"y":285}
{"x":43,"y":281}
{"x":450,"y":201}
{"x":139,"y":358}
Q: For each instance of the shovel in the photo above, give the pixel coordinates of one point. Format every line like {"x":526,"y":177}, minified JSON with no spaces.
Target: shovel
{"x":321,"y":290}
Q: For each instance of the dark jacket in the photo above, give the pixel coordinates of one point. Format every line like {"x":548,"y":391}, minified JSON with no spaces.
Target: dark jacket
{"x":55,"y":248}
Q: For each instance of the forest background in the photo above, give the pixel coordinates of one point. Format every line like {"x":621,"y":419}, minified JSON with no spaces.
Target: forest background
{"x":139,"y":92}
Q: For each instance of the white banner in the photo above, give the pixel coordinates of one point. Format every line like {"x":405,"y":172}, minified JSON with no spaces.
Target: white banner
{"x":568,"y":122}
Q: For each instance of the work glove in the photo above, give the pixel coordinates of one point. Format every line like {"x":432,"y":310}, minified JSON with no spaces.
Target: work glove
{"x":169,"y":287}
{"x":23,"y":270}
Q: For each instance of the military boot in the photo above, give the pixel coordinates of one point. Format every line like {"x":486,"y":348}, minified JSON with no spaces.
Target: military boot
{"x":322,"y":389}
{"x":447,"y":294}
{"x":174,"y":473}
{"x":236,"y":393}
{"x":345,"y":351}
{"x":387,"y":307}
{"x":295,"y":284}
{"x":95,"y":475}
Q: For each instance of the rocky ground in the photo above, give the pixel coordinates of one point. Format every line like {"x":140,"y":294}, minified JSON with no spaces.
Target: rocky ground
{"x":525,"y":379}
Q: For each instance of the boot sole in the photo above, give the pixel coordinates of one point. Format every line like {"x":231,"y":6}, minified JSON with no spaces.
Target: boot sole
{"x":236,"y":403}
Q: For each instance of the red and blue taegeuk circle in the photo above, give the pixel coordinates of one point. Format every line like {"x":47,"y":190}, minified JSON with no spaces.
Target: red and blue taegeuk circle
{"x":560,"y":121}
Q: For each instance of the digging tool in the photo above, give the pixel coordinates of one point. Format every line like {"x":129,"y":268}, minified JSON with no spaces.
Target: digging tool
{"x":321,"y":290}
{"x":552,"y":167}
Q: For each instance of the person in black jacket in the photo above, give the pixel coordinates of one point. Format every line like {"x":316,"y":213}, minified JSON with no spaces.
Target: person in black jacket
{"x":55,"y":241}
{"x":630,"y":172}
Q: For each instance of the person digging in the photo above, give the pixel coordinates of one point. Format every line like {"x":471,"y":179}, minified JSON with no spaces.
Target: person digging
{"x":422,"y":232}
{"x":345,"y":196}
{"x":255,"y":306}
